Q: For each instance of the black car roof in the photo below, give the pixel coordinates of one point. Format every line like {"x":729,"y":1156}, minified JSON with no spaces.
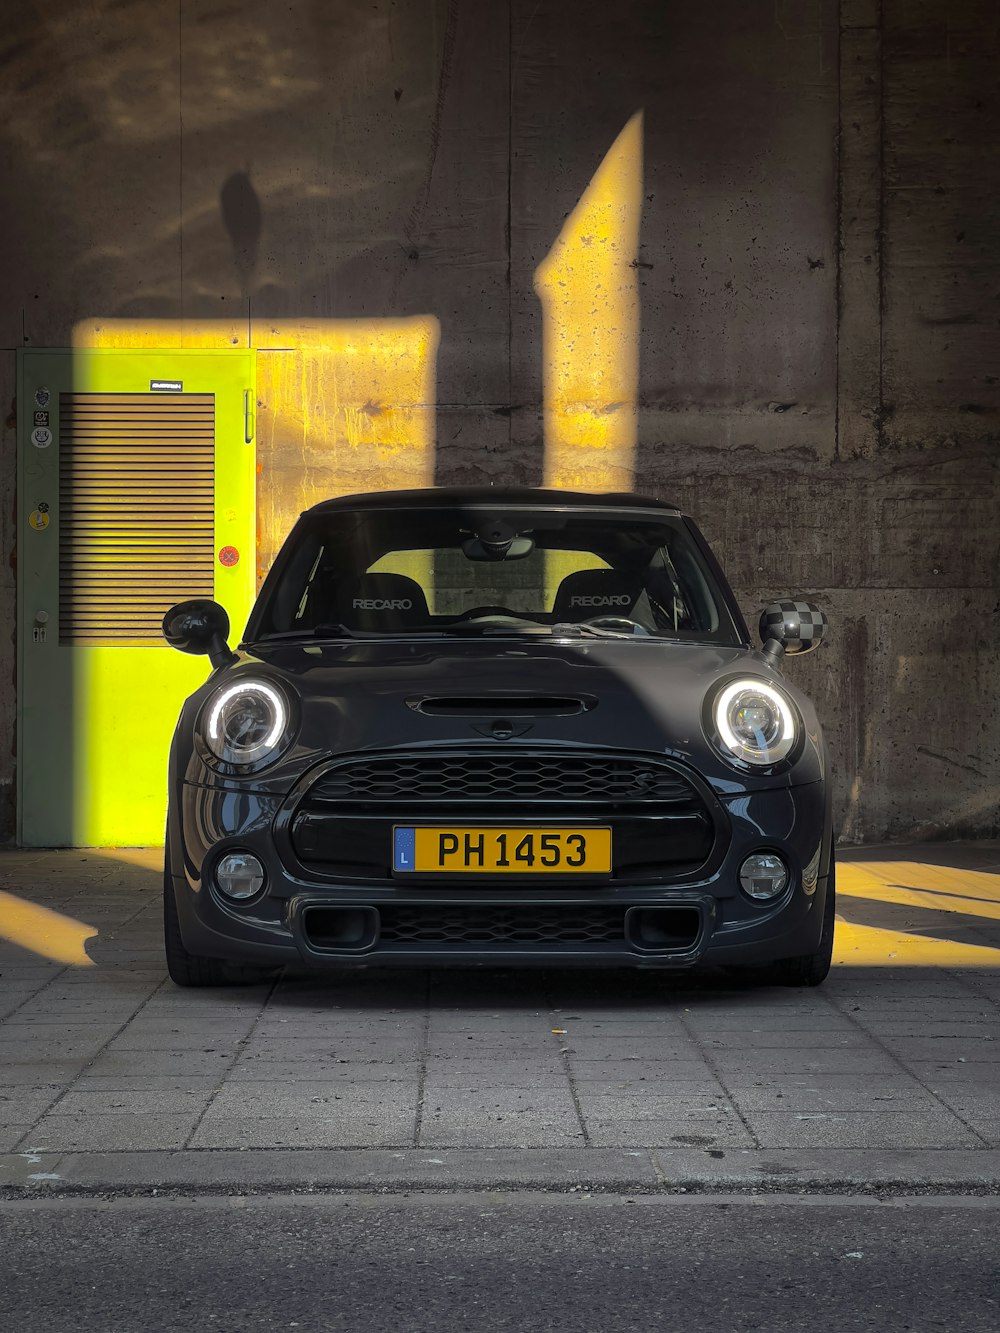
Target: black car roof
{"x":460,"y":496}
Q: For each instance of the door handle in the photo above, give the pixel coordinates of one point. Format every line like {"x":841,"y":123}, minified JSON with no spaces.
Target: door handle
{"x":249,"y":417}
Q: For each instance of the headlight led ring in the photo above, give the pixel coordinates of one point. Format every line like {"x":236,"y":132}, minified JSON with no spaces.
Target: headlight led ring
{"x":755,"y":722}
{"x":245,"y":722}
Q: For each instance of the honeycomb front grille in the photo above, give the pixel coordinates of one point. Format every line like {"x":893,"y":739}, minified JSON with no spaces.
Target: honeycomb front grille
{"x":496,"y":778}
{"x":502,"y":925}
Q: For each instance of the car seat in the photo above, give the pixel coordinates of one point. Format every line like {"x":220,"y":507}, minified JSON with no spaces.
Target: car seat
{"x":382,"y":603}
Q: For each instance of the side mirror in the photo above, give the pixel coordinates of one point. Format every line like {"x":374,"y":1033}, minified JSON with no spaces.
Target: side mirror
{"x":199,"y":626}
{"x":791,"y":627}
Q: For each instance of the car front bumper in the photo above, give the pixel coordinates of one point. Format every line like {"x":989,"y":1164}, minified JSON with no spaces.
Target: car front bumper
{"x":302,"y":918}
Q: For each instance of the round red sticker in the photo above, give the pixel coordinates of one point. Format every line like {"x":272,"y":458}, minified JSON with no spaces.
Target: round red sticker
{"x":229,"y":556}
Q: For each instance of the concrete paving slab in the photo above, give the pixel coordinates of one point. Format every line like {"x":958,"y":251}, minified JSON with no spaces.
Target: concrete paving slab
{"x":818,"y":1039}
{"x":858,"y":1095}
{"x":162,"y":1064}
{"x":12,"y":1134}
{"x":928,"y":1128}
{"x":513,"y":1073}
{"x":144,"y":1083}
{"x":249,"y":1070}
{"x":988,"y":1129}
{"x":705,"y":1132}
{"x":708,"y":1089}
{"x":334,"y":1048}
{"x":83,"y":1102}
{"x":469,"y":1130}
{"x":653,"y":1049}
{"x":971,"y":1101}
{"x":679,"y":1071}
{"x":109,"y":1133}
{"x":186,"y":1039}
{"x":25,"y":1103}
{"x":391,"y":1128}
{"x":40,"y":1044}
{"x":311,"y":1100}
{"x":104,"y":1018}
{"x":804,"y":1060}
{"x":35,"y":1073}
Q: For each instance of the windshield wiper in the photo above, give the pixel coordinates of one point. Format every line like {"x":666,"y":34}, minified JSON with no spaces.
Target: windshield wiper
{"x":320,"y":632}
{"x":569,"y":628}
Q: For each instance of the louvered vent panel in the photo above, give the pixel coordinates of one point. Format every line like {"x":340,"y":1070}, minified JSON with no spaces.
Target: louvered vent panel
{"x":136,"y":512}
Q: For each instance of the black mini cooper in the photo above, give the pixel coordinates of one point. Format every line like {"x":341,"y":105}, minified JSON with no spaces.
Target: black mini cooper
{"x":497,"y":727}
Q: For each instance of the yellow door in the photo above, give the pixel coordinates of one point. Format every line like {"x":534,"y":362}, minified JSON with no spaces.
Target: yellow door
{"x":135,"y":490}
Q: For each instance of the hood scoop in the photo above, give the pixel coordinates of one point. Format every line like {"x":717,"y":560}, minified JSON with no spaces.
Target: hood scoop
{"x":503,"y":705}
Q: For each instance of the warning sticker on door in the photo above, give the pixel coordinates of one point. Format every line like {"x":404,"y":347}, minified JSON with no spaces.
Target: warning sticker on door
{"x":41,"y":437}
{"x":39,"y":520}
{"x":229,"y":556}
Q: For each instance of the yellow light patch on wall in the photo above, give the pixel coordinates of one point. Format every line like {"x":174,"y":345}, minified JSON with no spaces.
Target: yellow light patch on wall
{"x":589,"y":290}
{"x":345,"y":406}
{"x":49,"y":934}
{"x":129,"y":335}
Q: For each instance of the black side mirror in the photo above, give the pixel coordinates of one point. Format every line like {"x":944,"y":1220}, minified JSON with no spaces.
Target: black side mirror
{"x":199,"y":626}
{"x":791,"y":627}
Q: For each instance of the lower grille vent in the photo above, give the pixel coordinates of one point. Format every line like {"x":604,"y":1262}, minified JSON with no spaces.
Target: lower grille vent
{"x":502,"y":925}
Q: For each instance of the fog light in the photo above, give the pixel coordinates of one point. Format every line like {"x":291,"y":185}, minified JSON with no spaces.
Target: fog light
{"x":763,"y":876}
{"x":239,"y":875}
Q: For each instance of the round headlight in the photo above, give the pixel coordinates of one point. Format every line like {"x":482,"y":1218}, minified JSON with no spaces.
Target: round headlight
{"x":245,"y":723}
{"x":754,"y":722}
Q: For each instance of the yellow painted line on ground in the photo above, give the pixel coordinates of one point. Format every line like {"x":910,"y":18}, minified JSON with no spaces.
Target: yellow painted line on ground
{"x":44,"y":932}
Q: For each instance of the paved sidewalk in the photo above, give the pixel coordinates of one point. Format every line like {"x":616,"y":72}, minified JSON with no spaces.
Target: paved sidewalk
{"x":111,"y":1076}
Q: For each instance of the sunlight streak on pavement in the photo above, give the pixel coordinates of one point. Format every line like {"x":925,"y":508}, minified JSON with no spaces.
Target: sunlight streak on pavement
{"x":945,"y":902}
{"x":44,"y":932}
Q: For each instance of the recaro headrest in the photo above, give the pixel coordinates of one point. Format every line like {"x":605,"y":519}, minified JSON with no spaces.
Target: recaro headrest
{"x":383,"y":602}
{"x":595,"y":592}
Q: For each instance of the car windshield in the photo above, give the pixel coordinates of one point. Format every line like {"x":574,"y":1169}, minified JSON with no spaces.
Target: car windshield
{"x":481,"y":571}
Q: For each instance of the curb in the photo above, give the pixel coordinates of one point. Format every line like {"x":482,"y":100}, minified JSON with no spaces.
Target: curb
{"x":648,"y":1169}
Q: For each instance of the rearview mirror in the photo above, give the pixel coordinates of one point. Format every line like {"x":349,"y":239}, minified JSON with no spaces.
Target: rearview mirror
{"x":199,"y":626}
{"x":791,"y":627}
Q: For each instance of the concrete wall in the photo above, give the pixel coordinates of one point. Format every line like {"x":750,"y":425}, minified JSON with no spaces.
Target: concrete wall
{"x":808,"y":261}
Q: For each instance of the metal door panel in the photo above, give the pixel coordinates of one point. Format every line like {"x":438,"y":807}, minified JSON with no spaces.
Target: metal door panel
{"x":96,"y":711}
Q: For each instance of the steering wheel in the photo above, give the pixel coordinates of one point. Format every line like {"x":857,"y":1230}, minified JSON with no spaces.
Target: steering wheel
{"x":621,"y":623}
{"x":475,"y":612}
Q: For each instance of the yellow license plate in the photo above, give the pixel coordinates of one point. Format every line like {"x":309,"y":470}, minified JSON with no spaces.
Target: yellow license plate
{"x":502,"y":851}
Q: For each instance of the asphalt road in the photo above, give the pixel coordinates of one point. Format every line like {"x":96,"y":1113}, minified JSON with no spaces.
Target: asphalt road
{"x":520,"y":1261}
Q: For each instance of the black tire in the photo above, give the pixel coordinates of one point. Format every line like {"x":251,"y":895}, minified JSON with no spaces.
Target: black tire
{"x":188,"y":969}
{"x":811,"y":969}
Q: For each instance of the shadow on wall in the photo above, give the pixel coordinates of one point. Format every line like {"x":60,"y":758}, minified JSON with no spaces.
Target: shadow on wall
{"x":242,"y":219}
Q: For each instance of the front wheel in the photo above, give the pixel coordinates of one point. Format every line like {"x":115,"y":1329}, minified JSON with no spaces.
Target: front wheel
{"x":189,"y":969}
{"x":811,"y":969}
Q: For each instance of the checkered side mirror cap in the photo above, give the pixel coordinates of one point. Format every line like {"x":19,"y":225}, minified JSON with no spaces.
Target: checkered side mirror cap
{"x":798,"y":627}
